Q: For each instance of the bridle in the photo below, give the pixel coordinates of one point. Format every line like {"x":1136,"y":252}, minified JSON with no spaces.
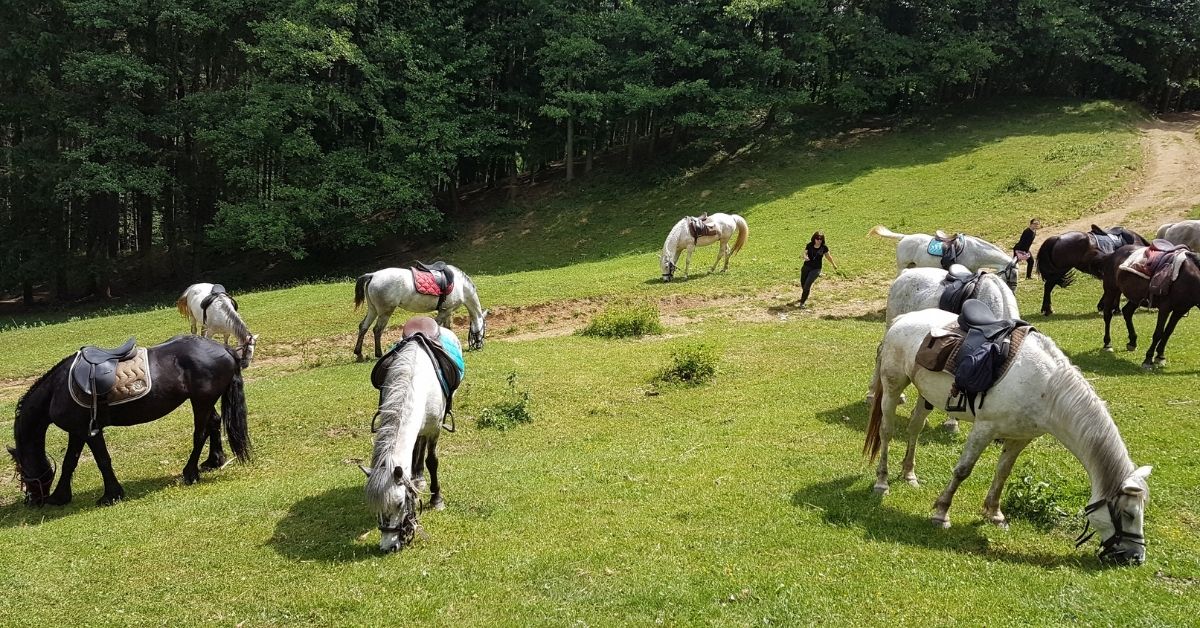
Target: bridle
{"x":408,"y":527}
{"x":1108,"y":547}
{"x":42,"y":482}
{"x":670,"y":274}
{"x":475,"y":339}
{"x":1010,"y":271}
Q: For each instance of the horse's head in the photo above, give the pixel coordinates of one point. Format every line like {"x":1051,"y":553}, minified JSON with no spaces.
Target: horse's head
{"x":248,"y":349}
{"x":478,"y":331}
{"x":1010,"y":274}
{"x":668,"y":267}
{"x":393,"y":497}
{"x":1118,"y":520}
{"x":36,"y":476}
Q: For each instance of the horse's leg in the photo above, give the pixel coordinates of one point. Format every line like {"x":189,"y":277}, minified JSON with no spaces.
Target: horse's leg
{"x":113,"y":492}
{"x":201,"y":412}
{"x":720,"y":252}
{"x":216,"y":452}
{"x":1159,"y":338}
{"x":193,"y":322}
{"x":418,"y":463}
{"x":977,"y":441}
{"x":444,"y":316}
{"x":1161,"y":359}
{"x":687,"y":261}
{"x":1049,"y":287}
{"x":727,"y":252}
{"x":380,"y":325}
{"x":435,"y":498}
{"x":62,"y":493}
{"x":991,"y":503}
{"x":363,"y":327}
{"x":1127,"y":313}
{"x":888,"y":404}
{"x":916,"y":423}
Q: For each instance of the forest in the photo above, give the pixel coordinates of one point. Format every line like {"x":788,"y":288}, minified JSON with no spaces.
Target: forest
{"x":135,"y":134}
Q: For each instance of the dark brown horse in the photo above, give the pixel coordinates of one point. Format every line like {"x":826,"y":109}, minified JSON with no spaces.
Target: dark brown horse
{"x":1182,"y":295}
{"x":1060,"y":256}
{"x":183,"y":368}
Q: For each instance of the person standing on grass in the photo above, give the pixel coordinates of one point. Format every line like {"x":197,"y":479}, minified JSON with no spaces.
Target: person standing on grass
{"x":814,"y":253}
{"x":1021,"y":250}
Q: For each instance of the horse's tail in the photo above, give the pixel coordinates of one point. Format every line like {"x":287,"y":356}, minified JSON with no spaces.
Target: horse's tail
{"x":743,"y":233}
{"x":873,"y":442}
{"x":360,"y":289}
{"x":883,"y":231}
{"x":1046,"y":267}
{"x":233,"y":413}
{"x":182,"y":306}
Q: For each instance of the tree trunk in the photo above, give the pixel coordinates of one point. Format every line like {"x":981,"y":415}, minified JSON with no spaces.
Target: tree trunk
{"x":570,"y":148}
{"x":27,"y":292}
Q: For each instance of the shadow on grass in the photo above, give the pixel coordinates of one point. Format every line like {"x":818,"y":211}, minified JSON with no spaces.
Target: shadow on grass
{"x":843,"y":505}
{"x":855,"y":416}
{"x":18,"y":514}
{"x":325,"y":527}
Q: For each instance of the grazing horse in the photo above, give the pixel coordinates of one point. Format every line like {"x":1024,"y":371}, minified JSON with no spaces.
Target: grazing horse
{"x":218,"y":316}
{"x":1183,"y":232}
{"x":1041,"y":393}
{"x":411,"y":408}
{"x":680,"y":238}
{"x":913,"y":251}
{"x":1060,"y":256}
{"x":391,"y":288}
{"x":183,"y":368}
{"x":1183,"y":295}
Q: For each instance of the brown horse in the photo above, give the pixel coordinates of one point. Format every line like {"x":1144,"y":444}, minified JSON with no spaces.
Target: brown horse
{"x":1060,"y":256}
{"x":1182,"y":295}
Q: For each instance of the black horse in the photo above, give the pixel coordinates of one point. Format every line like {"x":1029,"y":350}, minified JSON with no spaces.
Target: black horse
{"x":184,"y":367}
{"x":1181,"y":297}
{"x":1060,"y":256}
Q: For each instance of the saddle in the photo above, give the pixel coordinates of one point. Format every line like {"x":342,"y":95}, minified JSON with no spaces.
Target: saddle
{"x":217,"y":291}
{"x":444,"y":351}
{"x":699,"y":227}
{"x":1106,"y":243}
{"x":100,"y":377}
{"x":977,"y":349}
{"x":948,"y":247}
{"x":959,"y":285}
{"x":1160,"y":263}
{"x":434,"y":279}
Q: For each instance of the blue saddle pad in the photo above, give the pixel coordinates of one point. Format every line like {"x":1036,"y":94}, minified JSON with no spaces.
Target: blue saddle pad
{"x":935,"y":247}
{"x":454,"y":350}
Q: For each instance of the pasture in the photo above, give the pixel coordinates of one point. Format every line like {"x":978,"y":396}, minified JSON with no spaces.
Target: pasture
{"x":743,"y":501}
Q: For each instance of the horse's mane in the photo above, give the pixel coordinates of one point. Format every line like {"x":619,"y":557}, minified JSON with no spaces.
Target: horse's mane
{"x":34,"y":388}
{"x":224,"y":305}
{"x":1072,"y":397}
{"x":671,"y":235}
{"x":994,"y":247}
{"x":397,"y":403}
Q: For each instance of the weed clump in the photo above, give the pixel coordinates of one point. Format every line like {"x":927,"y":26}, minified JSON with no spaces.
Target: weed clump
{"x":624,"y":320}
{"x":1018,"y":184}
{"x":692,"y":365}
{"x":1034,"y":501}
{"x":510,"y":411}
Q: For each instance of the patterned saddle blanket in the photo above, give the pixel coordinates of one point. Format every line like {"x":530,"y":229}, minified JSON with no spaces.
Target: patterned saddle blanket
{"x":131,"y":380}
{"x":946,"y":247}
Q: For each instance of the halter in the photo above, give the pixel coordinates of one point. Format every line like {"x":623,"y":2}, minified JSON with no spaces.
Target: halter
{"x":409,"y":527}
{"x":1108,"y":547}
{"x":42,"y":482}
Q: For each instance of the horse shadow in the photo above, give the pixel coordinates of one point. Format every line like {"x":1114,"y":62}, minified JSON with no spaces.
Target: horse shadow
{"x":325,"y":527}
{"x":844,"y":506}
{"x":17,"y":514}
{"x":854,"y":415}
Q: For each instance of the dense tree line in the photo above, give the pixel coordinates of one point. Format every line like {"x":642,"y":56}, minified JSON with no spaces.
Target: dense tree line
{"x":132,"y":131}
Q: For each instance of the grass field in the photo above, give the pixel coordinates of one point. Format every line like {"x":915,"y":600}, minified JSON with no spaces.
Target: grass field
{"x":744,"y":501}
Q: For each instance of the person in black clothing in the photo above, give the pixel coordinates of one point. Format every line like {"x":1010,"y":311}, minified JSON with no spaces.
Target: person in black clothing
{"x":1021,"y":250}
{"x":814,"y":253}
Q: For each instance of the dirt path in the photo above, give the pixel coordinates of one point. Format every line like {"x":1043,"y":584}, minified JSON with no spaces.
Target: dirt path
{"x":1168,"y":187}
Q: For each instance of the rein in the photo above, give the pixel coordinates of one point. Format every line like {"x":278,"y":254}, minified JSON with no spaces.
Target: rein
{"x":1108,"y":547}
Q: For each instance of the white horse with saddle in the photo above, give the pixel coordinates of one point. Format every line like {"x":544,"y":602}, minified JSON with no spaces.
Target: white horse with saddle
{"x":691,"y":232}
{"x":439,"y":287}
{"x":1182,"y":232}
{"x":918,"y":250}
{"x":211,"y":311}
{"x":1038,"y":391}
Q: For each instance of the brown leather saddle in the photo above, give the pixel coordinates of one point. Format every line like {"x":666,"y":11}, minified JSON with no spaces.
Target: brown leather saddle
{"x":427,"y":333}
{"x":950,"y":247}
{"x":699,"y":227}
{"x":93,"y":374}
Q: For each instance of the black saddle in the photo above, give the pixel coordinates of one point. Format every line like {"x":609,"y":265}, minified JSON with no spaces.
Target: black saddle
{"x":985,"y":350}
{"x":94,"y":374}
{"x":217,"y":291}
{"x":1098,"y":231}
{"x":427,"y":333}
{"x":957,"y":287}
{"x":435,"y":267}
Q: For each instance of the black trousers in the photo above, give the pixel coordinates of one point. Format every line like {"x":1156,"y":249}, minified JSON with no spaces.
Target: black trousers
{"x":808,"y":275}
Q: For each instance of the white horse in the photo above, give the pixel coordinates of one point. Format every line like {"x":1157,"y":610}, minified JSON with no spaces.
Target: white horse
{"x":913,"y":251}
{"x":680,"y":239}
{"x":410,"y":413}
{"x":221,"y":317}
{"x":1041,"y":393}
{"x":1183,"y":232}
{"x":391,"y":288}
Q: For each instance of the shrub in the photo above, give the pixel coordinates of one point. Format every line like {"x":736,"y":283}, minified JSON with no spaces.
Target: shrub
{"x":624,"y":320}
{"x":691,"y":364}
{"x":512,"y":410}
{"x":1033,"y":501}
{"x":1018,"y":184}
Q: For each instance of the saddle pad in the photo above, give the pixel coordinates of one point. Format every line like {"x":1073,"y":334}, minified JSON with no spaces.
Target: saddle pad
{"x":939,"y":349}
{"x":133,"y":382}
{"x":447,"y":361}
{"x":1106,"y":243}
{"x":1141,"y":263}
{"x":426,"y":283}
{"x":936,"y":247}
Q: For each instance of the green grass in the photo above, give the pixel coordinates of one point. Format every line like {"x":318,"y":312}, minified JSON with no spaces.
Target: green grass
{"x":744,"y":501}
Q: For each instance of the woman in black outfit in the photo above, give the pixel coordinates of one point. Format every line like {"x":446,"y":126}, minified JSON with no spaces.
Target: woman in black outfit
{"x":1021,"y":250}
{"x":814,"y":254}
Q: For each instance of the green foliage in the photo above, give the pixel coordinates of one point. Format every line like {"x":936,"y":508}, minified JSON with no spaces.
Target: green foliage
{"x":1018,"y":184}
{"x":1033,"y":501}
{"x":509,"y":412}
{"x":624,"y":320}
{"x":691,"y":365}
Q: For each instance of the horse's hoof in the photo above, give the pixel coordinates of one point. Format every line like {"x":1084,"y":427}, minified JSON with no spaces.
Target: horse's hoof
{"x":191,"y":477}
{"x":1108,"y":348}
{"x":913,"y":482}
{"x":999,"y":522}
{"x":213,"y":464}
{"x":109,"y":500}
{"x":950,"y":426}
{"x":437,"y":503}
{"x":903,"y":398}
{"x":881,"y":489}
{"x":1131,"y":347}
{"x":1160,"y":362}
{"x":939,"y":522}
{"x":1047,"y":313}
{"x":1147,"y":366}
{"x":56,"y":499}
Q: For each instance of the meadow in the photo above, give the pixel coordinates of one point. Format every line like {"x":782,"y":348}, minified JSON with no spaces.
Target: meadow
{"x":742,"y":501}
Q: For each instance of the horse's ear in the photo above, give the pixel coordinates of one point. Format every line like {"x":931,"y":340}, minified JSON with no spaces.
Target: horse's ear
{"x":366,"y":471}
{"x":1135,"y":483}
{"x":398,"y":475}
{"x":486,"y":312}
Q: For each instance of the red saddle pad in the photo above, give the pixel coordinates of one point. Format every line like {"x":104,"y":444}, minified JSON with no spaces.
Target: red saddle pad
{"x":426,"y":283}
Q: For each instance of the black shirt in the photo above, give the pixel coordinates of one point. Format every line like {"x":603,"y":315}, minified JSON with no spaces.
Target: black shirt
{"x":815,"y":255}
{"x":1026,"y":240}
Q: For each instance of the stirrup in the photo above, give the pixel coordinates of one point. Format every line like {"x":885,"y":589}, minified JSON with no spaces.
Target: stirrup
{"x":956,"y":402}
{"x":448,"y":428}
